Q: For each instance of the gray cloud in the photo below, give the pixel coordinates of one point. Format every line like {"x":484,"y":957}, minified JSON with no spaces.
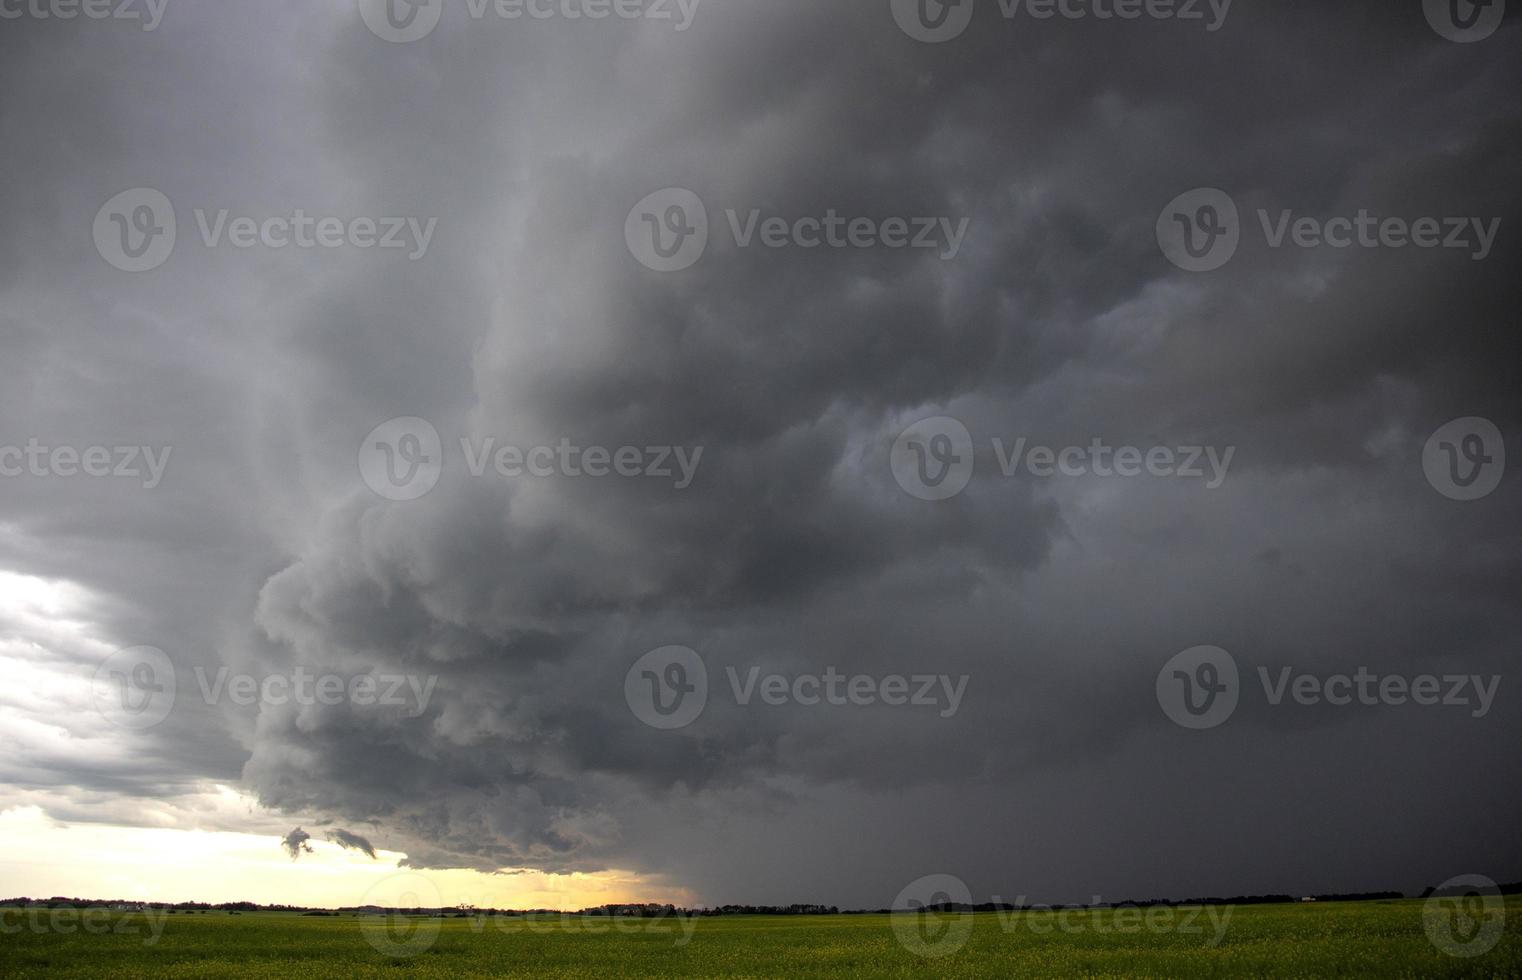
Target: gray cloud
{"x":352,"y":842}
{"x":295,"y":843}
{"x":795,"y":370}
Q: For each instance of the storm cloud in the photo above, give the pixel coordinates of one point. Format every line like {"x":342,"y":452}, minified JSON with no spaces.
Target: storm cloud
{"x":296,"y":843}
{"x":529,"y":322}
{"x":352,"y":842}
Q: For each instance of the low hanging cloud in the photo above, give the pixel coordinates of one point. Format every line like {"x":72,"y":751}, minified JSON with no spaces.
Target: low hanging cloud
{"x":295,"y":843}
{"x":351,"y":842}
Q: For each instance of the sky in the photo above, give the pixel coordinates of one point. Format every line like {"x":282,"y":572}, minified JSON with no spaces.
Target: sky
{"x":648,"y":548}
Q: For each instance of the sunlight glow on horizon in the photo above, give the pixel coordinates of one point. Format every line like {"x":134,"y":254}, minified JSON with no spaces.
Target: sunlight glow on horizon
{"x":45,"y":858}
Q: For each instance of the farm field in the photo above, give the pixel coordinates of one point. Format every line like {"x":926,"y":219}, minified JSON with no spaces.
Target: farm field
{"x":1386,"y":939}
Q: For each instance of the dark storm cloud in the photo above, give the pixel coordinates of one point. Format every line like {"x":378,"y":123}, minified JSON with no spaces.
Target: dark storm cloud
{"x":295,"y":843}
{"x":793,"y":550}
{"x":351,"y":842}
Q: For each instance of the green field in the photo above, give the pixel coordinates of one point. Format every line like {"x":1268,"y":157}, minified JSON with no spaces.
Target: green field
{"x":1311,"y":940}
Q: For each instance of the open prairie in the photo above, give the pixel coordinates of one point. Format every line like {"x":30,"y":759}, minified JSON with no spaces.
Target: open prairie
{"x":1322,"y":940}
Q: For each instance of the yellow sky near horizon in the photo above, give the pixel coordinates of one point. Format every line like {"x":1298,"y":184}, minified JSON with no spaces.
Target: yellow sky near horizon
{"x":44,"y":858}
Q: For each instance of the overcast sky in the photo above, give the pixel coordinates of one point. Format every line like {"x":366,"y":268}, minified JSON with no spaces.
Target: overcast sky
{"x":523,"y":310}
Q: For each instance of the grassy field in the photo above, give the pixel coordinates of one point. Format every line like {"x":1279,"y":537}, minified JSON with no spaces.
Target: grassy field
{"x":1321,"y":940}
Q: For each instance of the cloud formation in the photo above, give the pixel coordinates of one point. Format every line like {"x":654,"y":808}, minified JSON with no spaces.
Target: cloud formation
{"x":352,"y":842}
{"x":295,"y":843}
{"x":795,"y":370}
